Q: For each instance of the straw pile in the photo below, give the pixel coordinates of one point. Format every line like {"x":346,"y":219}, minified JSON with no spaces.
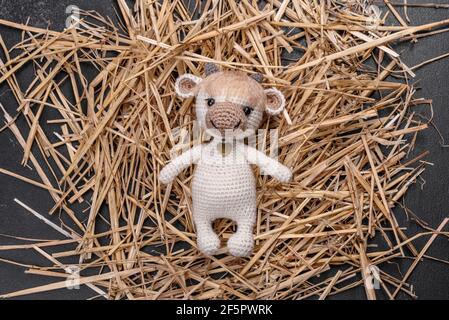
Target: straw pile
{"x":134,"y":237}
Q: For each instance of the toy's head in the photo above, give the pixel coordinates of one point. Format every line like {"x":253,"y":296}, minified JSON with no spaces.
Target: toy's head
{"x":229,"y":103}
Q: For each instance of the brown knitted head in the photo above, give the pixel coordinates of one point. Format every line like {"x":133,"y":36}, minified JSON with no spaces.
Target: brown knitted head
{"x":229,"y":103}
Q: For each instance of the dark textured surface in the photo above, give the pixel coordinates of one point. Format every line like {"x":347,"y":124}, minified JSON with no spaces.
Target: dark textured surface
{"x":430,"y":201}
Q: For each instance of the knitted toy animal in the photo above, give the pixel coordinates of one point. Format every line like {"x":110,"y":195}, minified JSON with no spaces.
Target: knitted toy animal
{"x":229,"y":106}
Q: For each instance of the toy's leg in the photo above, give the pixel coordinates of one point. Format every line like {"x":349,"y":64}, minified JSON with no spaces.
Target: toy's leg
{"x":241,"y":243}
{"x":207,"y":240}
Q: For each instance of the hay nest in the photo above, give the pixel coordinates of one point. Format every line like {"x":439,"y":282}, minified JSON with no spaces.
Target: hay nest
{"x":346,"y":133}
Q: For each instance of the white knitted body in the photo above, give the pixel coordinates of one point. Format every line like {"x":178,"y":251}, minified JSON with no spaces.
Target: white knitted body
{"x":223,"y":186}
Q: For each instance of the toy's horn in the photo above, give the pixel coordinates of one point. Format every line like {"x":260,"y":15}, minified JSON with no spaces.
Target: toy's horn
{"x":257,"y":76}
{"x":210,"y":68}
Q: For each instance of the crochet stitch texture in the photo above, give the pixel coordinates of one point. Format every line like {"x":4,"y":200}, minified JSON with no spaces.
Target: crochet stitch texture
{"x":230,"y":106}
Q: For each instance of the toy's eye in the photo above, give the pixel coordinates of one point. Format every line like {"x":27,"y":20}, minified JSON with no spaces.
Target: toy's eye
{"x":247,"y":110}
{"x":210,"y":102}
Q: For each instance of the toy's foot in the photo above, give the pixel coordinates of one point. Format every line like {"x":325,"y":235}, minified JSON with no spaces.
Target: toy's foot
{"x":241,"y":244}
{"x":208,"y":243}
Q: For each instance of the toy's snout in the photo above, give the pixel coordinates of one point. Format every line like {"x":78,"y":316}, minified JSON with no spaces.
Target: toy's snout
{"x":225,"y":116}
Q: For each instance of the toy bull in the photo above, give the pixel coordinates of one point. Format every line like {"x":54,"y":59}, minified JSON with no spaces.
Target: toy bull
{"x":229,"y":106}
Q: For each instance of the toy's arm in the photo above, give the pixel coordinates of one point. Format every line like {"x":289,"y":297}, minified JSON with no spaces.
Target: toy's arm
{"x":171,"y":170}
{"x":268,"y":165}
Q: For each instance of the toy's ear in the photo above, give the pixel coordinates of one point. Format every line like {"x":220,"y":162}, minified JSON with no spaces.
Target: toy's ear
{"x":186,"y":85}
{"x":275,"y":101}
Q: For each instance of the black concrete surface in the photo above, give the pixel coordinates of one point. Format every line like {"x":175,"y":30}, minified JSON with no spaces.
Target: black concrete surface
{"x":429,"y":199}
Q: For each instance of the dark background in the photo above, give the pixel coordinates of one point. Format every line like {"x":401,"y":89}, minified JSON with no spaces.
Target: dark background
{"x":428,"y":198}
